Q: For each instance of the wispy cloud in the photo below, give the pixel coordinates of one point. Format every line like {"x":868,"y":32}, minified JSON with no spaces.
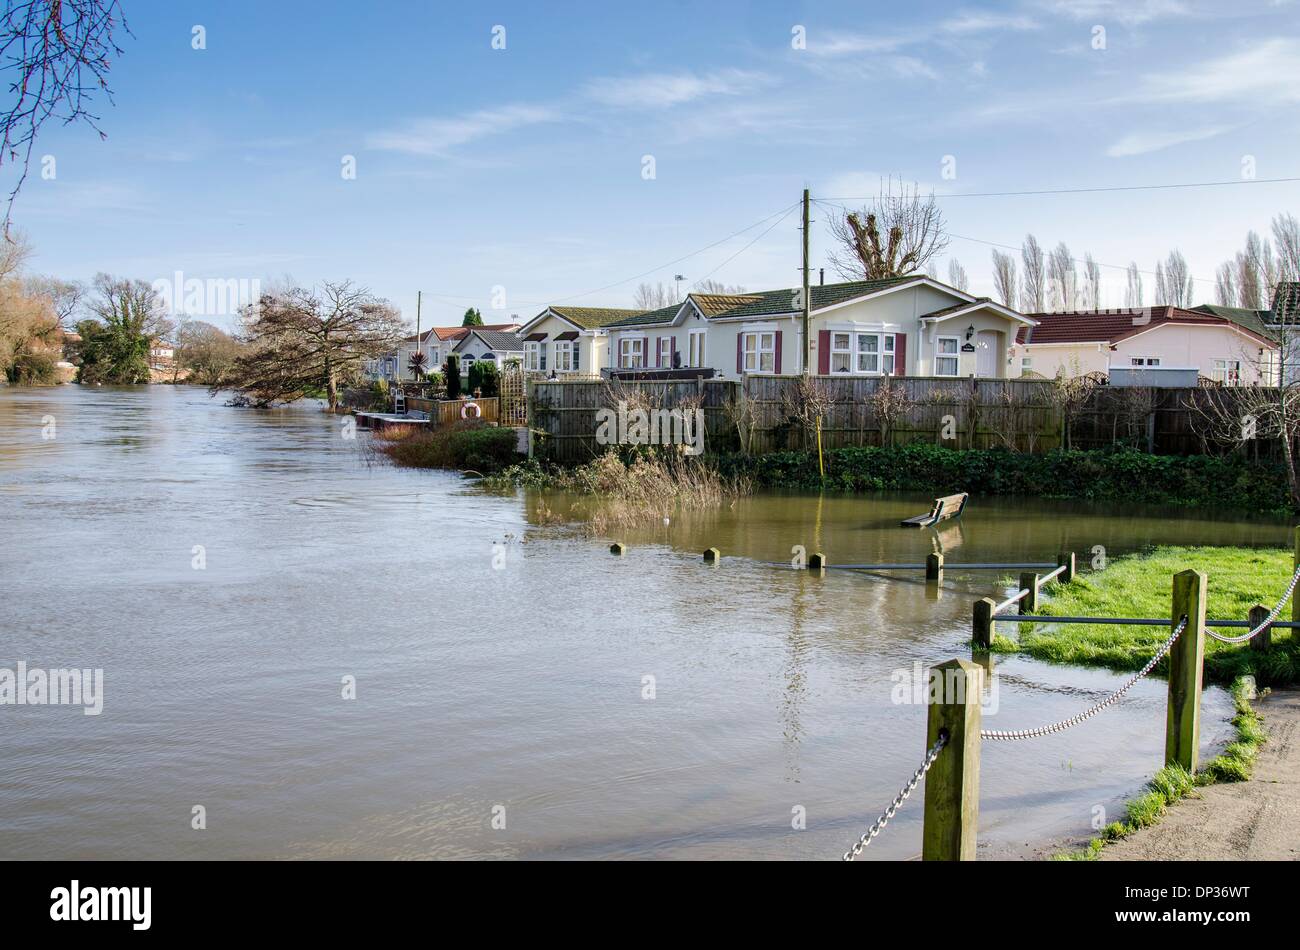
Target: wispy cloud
{"x":434,"y":136}
{"x":982,"y":22}
{"x":664,"y":90}
{"x":1267,"y":73}
{"x":1125,"y":12}
{"x":1152,"y":140}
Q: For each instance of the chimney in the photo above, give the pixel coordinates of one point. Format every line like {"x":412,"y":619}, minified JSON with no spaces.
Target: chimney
{"x":821,"y":275}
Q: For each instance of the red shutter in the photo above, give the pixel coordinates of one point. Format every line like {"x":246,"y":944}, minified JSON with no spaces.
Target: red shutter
{"x":672,"y":360}
{"x":824,"y":352}
{"x":658,"y":351}
{"x":740,"y":342}
{"x":900,"y":354}
{"x":777,"y":359}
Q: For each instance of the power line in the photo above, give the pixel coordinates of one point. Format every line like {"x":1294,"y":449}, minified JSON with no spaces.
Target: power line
{"x":1085,"y":191}
{"x":764,"y":234}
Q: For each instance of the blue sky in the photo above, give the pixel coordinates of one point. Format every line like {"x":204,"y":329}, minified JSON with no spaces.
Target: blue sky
{"x":521,"y":168}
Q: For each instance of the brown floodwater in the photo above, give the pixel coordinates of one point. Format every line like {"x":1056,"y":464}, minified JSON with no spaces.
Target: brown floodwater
{"x":228,"y":569}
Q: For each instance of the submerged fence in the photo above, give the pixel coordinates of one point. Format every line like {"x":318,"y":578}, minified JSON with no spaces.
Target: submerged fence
{"x":770,"y":413}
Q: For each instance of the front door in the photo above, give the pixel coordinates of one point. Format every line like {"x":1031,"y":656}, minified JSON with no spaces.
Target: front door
{"x":986,"y":354}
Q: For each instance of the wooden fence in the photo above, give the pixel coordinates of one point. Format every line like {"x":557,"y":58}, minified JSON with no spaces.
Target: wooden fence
{"x":449,"y":411}
{"x":772,"y":413}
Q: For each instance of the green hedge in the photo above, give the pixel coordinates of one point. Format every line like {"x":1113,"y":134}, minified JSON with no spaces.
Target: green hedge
{"x":1102,"y":474}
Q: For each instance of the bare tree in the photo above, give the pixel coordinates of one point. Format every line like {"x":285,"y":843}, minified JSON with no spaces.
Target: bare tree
{"x":1090,"y":291}
{"x":1004,"y":278}
{"x":1173,"y":281}
{"x":710,"y":286}
{"x":1062,"y":279}
{"x":1133,"y":295}
{"x":59,"y":53}
{"x":1032,"y":294}
{"x":957,"y":275}
{"x":65,"y":296}
{"x":1225,"y":284}
{"x":300,"y":342}
{"x":648,"y":297}
{"x":898,"y":233}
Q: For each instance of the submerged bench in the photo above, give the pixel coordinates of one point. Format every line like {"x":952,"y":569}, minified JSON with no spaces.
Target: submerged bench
{"x":949,"y":506}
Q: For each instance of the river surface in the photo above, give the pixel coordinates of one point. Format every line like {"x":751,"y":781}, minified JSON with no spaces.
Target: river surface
{"x":230,"y":569}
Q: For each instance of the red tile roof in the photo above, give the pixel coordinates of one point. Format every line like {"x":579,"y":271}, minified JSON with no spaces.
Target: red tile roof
{"x":1112,"y":326}
{"x":456,"y":333}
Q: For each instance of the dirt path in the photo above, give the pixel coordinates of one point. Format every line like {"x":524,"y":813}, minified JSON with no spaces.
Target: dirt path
{"x":1257,"y":820}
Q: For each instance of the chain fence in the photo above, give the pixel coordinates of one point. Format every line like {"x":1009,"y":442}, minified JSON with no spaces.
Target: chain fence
{"x":901,"y":797}
{"x":1267,"y":620}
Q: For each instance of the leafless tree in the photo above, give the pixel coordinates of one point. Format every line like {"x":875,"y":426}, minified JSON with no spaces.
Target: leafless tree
{"x":1090,"y":291}
{"x":710,"y":286}
{"x":1062,"y":279}
{"x":135,"y":303}
{"x":957,"y":275}
{"x":1225,"y":284}
{"x":804,"y":404}
{"x":1004,"y":278}
{"x":652,"y":297}
{"x":65,"y":296}
{"x":1173,"y":281}
{"x":300,"y":342}
{"x":59,"y":53}
{"x":1033,"y":292}
{"x":1133,"y":295}
{"x":898,"y":233}
{"x":889,"y":403}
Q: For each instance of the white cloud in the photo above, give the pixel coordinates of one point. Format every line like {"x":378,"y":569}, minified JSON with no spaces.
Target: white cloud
{"x":981,"y":22}
{"x":1140,"y":143}
{"x":1264,"y":74}
{"x":435,"y":136}
{"x":663,"y":90}
{"x":1126,"y":12}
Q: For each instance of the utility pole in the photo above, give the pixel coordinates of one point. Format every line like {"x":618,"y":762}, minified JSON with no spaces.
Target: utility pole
{"x":806,"y":359}
{"x":419,"y":344}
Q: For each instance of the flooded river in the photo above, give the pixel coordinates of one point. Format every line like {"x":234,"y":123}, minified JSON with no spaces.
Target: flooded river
{"x":232,"y":572}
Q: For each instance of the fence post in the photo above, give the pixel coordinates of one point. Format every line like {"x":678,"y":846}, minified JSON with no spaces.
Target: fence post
{"x":712,"y":556}
{"x":1067,"y":559}
{"x":934,"y":567}
{"x":1029,"y":582}
{"x":952,"y":786}
{"x":983,"y":622}
{"x":1264,"y":639}
{"x":817,"y":562}
{"x":1186,"y":657}
{"x":1295,"y":598}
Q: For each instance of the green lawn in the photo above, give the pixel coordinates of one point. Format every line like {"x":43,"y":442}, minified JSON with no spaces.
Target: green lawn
{"x":1140,"y":586}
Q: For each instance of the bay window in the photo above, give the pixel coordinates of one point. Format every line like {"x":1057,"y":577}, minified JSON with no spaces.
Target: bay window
{"x":533,"y":357}
{"x":563,"y":356}
{"x":868,"y":354}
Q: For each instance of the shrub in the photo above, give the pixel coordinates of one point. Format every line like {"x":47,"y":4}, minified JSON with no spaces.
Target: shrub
{"x":451,"y":376}
{"x":483,"y":377}
{"x":464,"y":445}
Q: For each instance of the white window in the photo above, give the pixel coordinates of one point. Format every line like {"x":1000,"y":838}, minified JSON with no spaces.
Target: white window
{"x":1144,"y":361}
{"x":532,"y":356}
{"x":841,"y":352}
{"x":946,"y":359}
{"x":760,"y":352}
{"x":696,"y":351}
{"x":1228,"y":372}
{"x":666,"y":352}
{"x":631,"y":353}
{"x":868,"y":354}
{"x":563,"y":356}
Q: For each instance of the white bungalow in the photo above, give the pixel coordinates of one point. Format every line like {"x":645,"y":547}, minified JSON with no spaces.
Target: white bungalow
{"x":569,"y":341}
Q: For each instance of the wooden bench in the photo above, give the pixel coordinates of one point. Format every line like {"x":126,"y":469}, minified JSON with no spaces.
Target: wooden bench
{"x":949,"y":506}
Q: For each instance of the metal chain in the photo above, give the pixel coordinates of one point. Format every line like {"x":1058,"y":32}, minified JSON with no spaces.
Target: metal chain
{"x":1267,"y":620}
{"x":901,"y":797}
{"x":1088,"y":714}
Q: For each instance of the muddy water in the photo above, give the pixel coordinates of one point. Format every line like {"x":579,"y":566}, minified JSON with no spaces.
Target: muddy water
{"x":229,"y":569}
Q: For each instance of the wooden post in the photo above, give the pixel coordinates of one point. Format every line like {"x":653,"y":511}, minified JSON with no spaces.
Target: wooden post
{"x":952,"y":786}
{"x":1264,"y":639}
{"x":1295,"y":598}
{"x":712,"y":556}
{"x":1186,"y":657}
{"x":983,"y":625}
{"x":1029,"y":582}
{"x":1067,"y":575}
{"x":934,"y":567}
{"x":817,"y":562}
{"x":617,"y":548}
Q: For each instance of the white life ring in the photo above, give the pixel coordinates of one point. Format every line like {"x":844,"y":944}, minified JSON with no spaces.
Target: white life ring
{"x":464,"y":410}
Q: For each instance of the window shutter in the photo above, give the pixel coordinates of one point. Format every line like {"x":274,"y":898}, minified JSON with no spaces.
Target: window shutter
{"x":824,"y":352}
{"x":900,"y":354}
{"x":659,"y":350}
{"x":776,"y":360}
{"x":740,"y":352}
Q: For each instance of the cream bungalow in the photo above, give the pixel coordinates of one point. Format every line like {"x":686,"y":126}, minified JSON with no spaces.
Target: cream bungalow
{"x":569,"y":340}
{"x":903,"y":326}
{"x":1157,"y":338}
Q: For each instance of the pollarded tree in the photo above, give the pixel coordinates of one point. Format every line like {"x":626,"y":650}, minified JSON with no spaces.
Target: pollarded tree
{"x":301,"y":342}
{"x":898,"y":233}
